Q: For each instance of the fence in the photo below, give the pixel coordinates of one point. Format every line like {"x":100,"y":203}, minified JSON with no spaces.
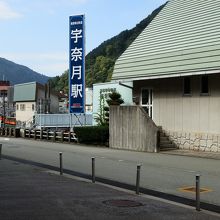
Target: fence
{"x":10,"y":132}
{"x":62,"y":120}
{"x":62,"y":136}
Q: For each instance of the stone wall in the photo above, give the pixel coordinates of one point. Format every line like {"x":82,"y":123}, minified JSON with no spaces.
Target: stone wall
{"x":195,"y":141}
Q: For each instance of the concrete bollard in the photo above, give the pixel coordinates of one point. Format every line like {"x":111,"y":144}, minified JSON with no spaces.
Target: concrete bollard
{"x":0,"y":151}
{"x":93,"y":169}
{"x":138,"y":178}
{"x":61,"y":163}
{"x":198,"y":192}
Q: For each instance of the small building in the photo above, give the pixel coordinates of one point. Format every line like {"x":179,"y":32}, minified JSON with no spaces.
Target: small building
{"x":31,"y":98}
{"x":63,"y":103}
{"x":174,"y":65}
{"x":7,"y":109}
{"x":102,"y":90}
{"x":4,"y":99}
{"x":89,"y":100}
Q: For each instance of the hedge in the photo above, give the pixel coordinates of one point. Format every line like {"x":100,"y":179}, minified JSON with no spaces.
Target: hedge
{"x":92,"y":134}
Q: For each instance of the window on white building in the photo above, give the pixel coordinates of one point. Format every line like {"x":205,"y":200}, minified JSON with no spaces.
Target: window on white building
{"x":187,"y":86}
{"x":204,"y":85}
{"x":22,"y":107}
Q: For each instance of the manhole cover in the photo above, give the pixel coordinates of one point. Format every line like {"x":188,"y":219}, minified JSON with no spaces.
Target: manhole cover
{"x":192,"y":189}
{"x":122,"y":203}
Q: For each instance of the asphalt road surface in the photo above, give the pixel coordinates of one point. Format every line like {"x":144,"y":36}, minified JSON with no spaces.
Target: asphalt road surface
{"x":161,"y":172}
{"x":29,"y":192}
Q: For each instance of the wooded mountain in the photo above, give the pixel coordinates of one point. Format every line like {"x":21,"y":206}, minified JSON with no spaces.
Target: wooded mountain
{"x":100,"y":61}
{"x":16,"y":73}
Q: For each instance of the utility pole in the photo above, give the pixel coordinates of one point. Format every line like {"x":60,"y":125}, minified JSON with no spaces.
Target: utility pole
{"x":3,"y":120}
{"x":49,"y":101}
{"x":40,"y":111}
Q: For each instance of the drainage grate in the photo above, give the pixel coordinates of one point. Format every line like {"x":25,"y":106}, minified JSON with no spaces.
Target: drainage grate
{"x":122,"y":203}
{"x":192,"y":189}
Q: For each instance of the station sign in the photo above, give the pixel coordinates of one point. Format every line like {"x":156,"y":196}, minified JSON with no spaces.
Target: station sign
{"x":76,"y":64}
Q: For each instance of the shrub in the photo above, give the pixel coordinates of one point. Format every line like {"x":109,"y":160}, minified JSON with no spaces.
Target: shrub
{"x":93,"y":134}
{"x":115,"y":99}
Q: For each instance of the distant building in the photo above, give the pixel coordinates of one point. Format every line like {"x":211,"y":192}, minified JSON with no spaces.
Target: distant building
{"x":63,"y":103}
{"x":31,"y":98}
{"x":101,"y":93}
{"x":6,"y":99}
{"x":89,"y":101}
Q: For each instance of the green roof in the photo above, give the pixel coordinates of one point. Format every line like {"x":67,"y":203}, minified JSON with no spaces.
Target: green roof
{"x":25,"y":92}
{"x":184,"y":38}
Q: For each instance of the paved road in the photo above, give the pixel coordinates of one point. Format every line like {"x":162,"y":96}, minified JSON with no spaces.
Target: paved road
{"x":31,"y":193}
{"x":164,"y":173}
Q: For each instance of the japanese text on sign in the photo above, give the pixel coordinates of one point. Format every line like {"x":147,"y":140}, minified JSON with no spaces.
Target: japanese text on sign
{"x":77,"y":62}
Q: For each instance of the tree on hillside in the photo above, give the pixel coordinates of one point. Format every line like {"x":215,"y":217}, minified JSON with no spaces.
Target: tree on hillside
{"x":101,"y":68}
{"x":99,"y":63}
{"x":60,"y":83}
{"x":111,"y":50}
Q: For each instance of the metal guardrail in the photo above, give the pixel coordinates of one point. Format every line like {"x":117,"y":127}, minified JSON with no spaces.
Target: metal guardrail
{"x":62,"y":120}
{"x":62,"y":136}
{"x":10,"y":132}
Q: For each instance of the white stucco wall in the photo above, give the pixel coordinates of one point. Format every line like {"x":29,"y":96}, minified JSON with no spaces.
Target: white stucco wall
{"x":187,"y":119}
{"x":27,"y":114}
{"x":194,"y":113}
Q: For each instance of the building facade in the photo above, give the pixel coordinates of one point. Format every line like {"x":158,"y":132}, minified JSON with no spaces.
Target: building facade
{"x":7,"y":108}
{"x":102,"y":90}
{"x":175,"y":69}
{"x":33,"y":98}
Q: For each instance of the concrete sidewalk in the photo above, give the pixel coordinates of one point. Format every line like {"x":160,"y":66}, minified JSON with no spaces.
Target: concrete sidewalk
{"x":192,"y":153}
{"x":32,"y":193}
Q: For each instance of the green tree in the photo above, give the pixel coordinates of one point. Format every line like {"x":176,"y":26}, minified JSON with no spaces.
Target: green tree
{"x":99,"y":63}
{"x":60,"y":83}
{"x":100,"y":117}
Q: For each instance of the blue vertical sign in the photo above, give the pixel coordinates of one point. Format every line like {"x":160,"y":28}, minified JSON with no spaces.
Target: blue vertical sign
{"x":77,"y":65}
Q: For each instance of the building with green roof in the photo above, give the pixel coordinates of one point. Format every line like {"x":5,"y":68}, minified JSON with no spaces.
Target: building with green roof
{"x":174,"y":65}
{"x":31,"y":98}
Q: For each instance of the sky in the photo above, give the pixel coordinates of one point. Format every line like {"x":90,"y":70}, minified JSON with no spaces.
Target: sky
{"x":35,"y":33}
